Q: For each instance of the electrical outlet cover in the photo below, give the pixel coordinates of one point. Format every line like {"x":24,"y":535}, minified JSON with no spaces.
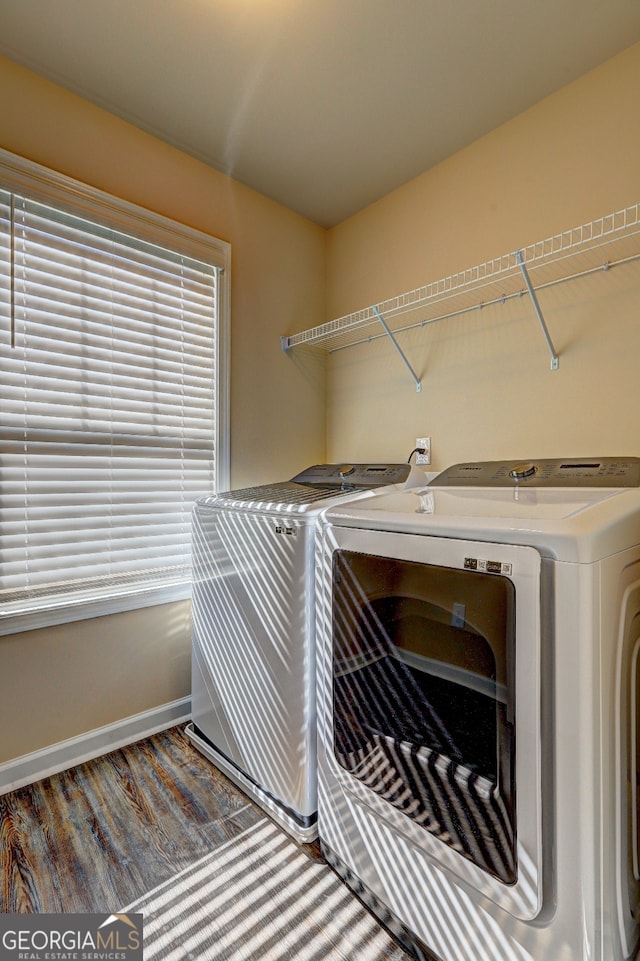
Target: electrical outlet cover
{"x":422,"y":460}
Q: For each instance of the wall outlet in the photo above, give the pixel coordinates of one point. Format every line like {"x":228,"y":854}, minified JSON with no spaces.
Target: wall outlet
{"x":422,"y":460}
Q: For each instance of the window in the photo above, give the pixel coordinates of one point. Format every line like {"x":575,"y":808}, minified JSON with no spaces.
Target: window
{"x":112,"y":398}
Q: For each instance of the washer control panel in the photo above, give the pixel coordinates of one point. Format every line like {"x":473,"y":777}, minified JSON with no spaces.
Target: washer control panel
{"x":546,"y":472}
{"x":353,"y":475}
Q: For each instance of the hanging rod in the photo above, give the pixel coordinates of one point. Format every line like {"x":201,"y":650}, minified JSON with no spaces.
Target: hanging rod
{"x":501,"y":299}
{"x":554,"y":254}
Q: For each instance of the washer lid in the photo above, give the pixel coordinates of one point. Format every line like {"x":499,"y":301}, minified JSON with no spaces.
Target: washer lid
{"x":309,"y":489}
{"x":282,"y":497}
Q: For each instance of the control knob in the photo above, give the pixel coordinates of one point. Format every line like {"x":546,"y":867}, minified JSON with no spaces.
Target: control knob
{"x":520,"y":471}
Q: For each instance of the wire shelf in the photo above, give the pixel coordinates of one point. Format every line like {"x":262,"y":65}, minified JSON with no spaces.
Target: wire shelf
{"x":574,"y":253}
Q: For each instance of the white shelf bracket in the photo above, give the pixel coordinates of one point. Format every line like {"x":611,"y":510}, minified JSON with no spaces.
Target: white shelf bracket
{"x":555,"y":361}
{"x":397,"y":346}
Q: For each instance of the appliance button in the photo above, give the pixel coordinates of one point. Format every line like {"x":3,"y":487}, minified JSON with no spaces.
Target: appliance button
{"x":346,"y":470}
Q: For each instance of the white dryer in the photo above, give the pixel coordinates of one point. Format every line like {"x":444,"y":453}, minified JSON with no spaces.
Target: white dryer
{"x":478,"y":709}
{"x":253,"y":656}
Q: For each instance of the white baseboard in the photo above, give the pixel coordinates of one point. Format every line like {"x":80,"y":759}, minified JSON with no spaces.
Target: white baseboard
{"x":65,"y":754}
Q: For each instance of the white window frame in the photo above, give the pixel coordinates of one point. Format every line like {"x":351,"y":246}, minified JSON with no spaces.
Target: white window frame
{"x":39,"y":183}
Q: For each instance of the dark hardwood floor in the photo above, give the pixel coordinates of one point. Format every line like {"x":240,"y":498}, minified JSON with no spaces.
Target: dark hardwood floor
{"x":156,"y":825}
{"x":98,"y":836}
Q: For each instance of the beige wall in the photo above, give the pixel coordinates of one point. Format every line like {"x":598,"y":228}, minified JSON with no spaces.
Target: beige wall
{"x":488,"y":391}
{"x":72,"y":678}
{"x":58,"y":683}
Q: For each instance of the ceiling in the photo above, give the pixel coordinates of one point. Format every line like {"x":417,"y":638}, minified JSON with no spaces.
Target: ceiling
{"x":322,"y":105}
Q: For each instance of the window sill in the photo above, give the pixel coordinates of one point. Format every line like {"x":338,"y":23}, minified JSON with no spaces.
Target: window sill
{"x":16,"y":617}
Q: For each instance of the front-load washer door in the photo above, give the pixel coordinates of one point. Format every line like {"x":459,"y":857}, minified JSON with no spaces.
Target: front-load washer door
{"x":434,"y":674}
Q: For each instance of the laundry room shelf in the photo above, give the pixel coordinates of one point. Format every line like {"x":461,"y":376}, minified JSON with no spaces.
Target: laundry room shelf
{"x":578,"y":252}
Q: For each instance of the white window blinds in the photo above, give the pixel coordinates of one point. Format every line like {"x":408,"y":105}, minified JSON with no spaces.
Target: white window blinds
{"x":108,"y":412}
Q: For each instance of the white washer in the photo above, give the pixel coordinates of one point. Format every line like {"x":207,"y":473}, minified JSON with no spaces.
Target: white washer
{"x":253,"y":657}
{"x":478,"y":719}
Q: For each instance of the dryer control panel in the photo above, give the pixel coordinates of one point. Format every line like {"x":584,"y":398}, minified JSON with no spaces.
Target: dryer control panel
{"x":545,"y":472}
